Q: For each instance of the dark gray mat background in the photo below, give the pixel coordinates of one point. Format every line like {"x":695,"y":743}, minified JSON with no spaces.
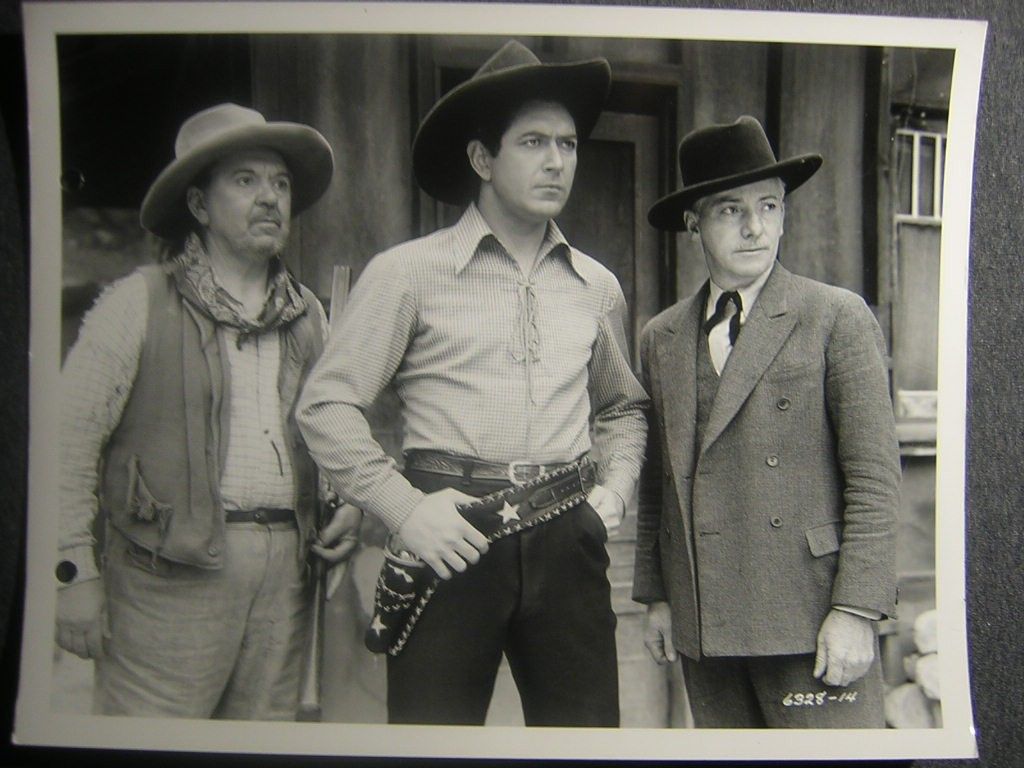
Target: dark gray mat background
{"x":995,"y":500}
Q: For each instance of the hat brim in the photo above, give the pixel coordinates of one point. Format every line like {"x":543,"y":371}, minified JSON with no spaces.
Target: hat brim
{"x":305,"y":151}
{"x":667,"y":213}
{"x":439,"y":148}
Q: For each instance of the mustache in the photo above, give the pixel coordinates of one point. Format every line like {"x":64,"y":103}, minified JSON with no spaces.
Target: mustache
{"x":267,"y":217}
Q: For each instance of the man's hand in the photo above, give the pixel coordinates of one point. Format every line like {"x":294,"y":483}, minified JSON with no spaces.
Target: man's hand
{"x":336,"y":543}
{"x":339,"y":538}
{"x":658,"y":633}
{"x":440,"y":536}
{"x":82,"y":619}
{"x":846,"y":648}
{"x":609,"y":507}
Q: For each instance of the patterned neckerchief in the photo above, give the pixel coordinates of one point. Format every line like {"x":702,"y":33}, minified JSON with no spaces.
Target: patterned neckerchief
{"x":196,"y":281}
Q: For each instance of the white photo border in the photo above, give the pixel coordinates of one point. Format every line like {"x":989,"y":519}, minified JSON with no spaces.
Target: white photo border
{"x":37,"y":724}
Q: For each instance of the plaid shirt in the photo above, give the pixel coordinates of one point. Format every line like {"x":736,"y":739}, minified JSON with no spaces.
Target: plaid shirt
{"x":487,"y":362}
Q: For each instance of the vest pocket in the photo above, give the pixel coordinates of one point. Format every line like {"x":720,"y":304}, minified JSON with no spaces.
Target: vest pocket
{"x":142,"y":505}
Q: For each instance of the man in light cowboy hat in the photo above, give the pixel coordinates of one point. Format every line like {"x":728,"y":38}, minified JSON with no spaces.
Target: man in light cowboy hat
{"x":503,"y":343}
{"x":765,"y":549}
{"x":178,"y":417}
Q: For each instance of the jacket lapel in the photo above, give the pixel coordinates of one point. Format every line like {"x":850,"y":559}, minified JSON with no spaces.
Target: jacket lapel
{"x":763,"y":335}
{"x":675,"y":347}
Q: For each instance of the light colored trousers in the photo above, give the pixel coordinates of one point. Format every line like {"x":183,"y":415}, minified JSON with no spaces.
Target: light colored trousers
{"x":190,"y":642}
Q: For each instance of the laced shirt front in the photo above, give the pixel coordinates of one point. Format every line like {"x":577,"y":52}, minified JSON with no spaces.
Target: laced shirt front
{"x":487,"y":361}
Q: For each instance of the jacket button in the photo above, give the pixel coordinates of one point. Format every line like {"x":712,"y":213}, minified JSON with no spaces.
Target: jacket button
{"x":776,"y":522}
{"x":772,"y":461}
{"x":783,"y":404}
{"x":259,"y":517}
{"x":213,"y":551}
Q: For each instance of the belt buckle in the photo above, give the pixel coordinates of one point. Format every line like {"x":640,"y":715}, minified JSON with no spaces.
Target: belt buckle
{"x":512,"y":470}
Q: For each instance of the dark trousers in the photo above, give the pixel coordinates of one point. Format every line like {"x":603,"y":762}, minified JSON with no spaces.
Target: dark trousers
{"x":779,"y":692}
{"x":542,"y":598}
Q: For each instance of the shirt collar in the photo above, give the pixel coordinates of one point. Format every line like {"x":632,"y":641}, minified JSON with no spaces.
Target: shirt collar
{"x":748,"y":295}
{"x":472,"y":229}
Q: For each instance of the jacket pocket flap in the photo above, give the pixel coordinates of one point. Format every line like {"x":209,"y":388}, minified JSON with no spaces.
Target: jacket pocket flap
{"x":824,"y":539}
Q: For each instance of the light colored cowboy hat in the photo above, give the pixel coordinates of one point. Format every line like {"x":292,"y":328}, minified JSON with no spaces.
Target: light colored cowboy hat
{"x":209,"y":135}
{"x":723,"y":157}
{"x":513,"y":74}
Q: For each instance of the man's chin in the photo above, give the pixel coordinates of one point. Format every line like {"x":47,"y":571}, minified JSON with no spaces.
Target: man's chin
{"x":266,"y":248}
{"x":547,"y":209}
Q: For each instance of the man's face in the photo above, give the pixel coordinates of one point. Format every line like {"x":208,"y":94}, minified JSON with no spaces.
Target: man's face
{"x":739,"y":231}
{"x":532,"y":174}
{"x":246,"y":207}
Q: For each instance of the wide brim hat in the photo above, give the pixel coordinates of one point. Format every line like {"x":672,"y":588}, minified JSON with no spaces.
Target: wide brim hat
{"x":209,"y":135}
{"x":722,"y":157}
{"x":512,"y":75}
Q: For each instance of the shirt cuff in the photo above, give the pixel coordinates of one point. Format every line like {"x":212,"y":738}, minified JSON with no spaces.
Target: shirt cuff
{"x":85,"y":563}
{"x":395,"y":501}
{"x":864,"y":613}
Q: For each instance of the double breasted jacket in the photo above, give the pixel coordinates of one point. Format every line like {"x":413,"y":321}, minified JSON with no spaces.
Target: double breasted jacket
{"x":788,"y":506}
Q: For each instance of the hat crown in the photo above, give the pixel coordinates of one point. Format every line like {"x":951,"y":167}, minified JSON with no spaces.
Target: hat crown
{"x":511,"y":55}
{"x":722,"y":151}
{"x":211,"y":123}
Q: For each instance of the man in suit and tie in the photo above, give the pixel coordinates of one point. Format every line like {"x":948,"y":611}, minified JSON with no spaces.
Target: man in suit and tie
{"x":765,"y":547}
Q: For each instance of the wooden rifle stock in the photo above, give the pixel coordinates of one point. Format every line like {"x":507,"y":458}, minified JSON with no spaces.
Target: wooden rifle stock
{"x":310,"y":708}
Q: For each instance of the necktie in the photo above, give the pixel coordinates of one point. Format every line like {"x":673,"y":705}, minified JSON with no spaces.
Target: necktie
{"x":721,"y":312}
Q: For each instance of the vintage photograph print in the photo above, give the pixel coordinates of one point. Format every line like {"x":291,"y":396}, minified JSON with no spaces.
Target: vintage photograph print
{"x":405,"y":376}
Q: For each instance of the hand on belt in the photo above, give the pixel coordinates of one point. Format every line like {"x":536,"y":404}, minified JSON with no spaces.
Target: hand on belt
{"x":406,"y":583}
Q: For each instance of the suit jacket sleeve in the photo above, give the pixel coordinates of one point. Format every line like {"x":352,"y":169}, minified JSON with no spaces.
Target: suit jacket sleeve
{"x":648,"y":586}
{"x":857,"y":393}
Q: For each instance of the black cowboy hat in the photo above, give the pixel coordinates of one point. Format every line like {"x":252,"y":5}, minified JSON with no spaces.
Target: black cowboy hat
{"x":511,"y":75}
{"x":723,"y":157}
{"x":211,"y":134}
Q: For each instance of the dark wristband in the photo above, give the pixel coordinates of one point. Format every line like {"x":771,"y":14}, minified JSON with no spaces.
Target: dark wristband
{"x":66,"y":571}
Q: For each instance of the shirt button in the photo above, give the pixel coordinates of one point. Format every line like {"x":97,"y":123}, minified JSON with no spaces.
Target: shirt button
{"x":783,"y":404}
{"x":776,"y":522}
{"x":213,"y":551}
{"x":772,"y":461}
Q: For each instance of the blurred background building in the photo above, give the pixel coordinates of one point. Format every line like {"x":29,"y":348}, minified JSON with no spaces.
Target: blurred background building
{"x":870,"y":221}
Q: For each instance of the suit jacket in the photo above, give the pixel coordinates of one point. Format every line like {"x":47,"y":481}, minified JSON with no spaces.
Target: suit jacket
{"x":789,"y":505}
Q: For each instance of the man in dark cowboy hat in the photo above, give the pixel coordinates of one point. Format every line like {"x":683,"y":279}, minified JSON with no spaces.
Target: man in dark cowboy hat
{"x":178,"y":417}
{"x":503,"y":343}
{"x":765,"y":551}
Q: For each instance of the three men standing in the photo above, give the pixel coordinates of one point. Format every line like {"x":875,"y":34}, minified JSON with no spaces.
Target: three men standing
{"x":766,"y":534}
{"x":178,"y":421}
{"x":765,"y":546}
{"x":503,"y":343}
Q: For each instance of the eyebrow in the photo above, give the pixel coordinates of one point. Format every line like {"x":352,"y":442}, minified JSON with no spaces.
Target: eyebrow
{"x":724,"y":198}
{"x":547,"y":134}
{"x":250,"y":169}
{"x":727,"y":198}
